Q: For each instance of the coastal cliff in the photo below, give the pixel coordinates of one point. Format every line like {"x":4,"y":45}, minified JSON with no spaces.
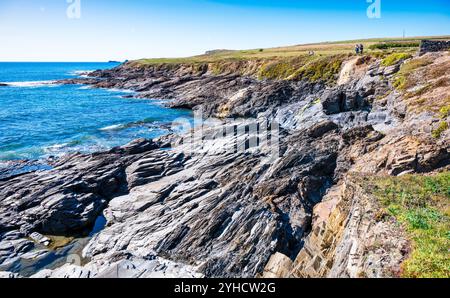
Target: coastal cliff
{"x":220,"y":212}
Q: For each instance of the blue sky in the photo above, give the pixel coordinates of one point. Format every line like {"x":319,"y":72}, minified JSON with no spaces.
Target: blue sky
{"x":39,"y":30}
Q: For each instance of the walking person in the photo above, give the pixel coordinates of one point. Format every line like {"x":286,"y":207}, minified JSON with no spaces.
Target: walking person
{"x":357,"y":49}
{"x":361,"y":49}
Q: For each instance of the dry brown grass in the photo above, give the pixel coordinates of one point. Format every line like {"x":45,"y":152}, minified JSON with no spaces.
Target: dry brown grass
{"x":320,"y":49}
{"x":425,"y":83}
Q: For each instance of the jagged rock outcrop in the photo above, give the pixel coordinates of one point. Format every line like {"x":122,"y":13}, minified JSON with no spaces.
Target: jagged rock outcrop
{"x":349,"y":238}
{"x":224,"y":214}
{"x":215,"y":205}
{"x":70,"y":197}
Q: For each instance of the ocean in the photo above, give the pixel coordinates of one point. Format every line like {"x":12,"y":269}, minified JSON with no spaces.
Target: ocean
{"x":40,"y":119}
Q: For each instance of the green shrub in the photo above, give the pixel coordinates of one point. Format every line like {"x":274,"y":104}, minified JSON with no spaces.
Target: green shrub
{"x":443,"y":126}
{"x":390,"y":45}
{"x":444,"y":112}
{"x":395,"y":58}
{"x":278,"y":70}
{"x":323,"y":69}
{"x":400,"y":82}
{"x":311,"y":68}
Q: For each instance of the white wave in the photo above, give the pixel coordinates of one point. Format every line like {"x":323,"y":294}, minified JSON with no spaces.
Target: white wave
{"x":32,"y":84}
{"x":121,"y":90}
{"x":55,"y":148}
{"x":112,"y":127}
{"x":61,"y":150}
{"x":82,"y":73}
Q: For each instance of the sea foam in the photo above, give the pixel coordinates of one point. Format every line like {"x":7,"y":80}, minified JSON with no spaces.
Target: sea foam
{"x":82,"y":73}
{"x":31,"y":84}
{"x":113,"y":127}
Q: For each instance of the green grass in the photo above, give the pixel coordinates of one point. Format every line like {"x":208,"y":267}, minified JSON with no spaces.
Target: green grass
{"x":324,"y":49}
{"x":395,"y":58}
{"x":311,"y":68}
{"x":401,"y":81}
{"x":281,"y":68}
{"x":422,"y":205}
{"x":291,"y":62}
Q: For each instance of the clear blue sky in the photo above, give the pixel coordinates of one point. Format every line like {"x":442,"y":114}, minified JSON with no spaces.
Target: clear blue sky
{"x":39,"y":30}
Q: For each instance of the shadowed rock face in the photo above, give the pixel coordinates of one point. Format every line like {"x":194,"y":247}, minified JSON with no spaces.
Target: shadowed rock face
{"x":225,"y":214}
{"x":68,"y":198}
{"x":217,"y":211}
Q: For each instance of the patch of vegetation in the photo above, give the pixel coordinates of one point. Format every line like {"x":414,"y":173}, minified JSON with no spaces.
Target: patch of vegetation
{"x":281,"y":69}
{"x":444,"y":112}
{"x":419,"y":92}
{"x":439,"y":107}
{"x":227,"y":66}
{"x":325,"y":49}
{"x":438,"y":71}
{"x":401,"y":81}
{"x":292,"y":62}
{"x":440,"y":83}
{"x":422,"y":205}
{"x":323,"y":69}
{"x":390,"y":45}
{"x":305,"y":67}
{"x":394,"y":58}
{"x":437,"y":133}
{"x":415,"y":64}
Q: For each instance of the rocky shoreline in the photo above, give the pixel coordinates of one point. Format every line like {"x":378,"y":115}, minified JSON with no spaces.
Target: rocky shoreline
{"x":218,"y":211}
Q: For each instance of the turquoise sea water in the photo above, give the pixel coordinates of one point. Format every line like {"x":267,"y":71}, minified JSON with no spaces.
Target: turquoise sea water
{"x":39,"y":119}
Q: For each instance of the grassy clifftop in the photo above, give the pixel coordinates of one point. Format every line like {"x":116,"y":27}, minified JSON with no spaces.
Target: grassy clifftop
{"x":291,"y":63}
{"x":324,"y":49}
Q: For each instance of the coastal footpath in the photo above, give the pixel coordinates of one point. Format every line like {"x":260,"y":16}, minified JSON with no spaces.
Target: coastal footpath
{"x":358,"y":188}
